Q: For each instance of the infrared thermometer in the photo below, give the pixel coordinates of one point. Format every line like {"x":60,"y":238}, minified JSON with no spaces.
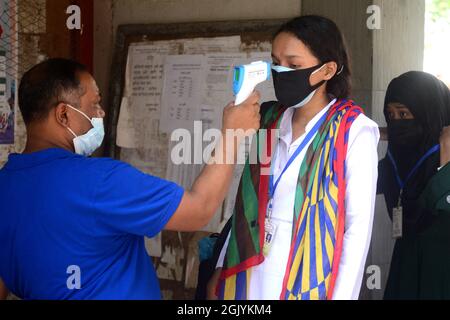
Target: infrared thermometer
{"x":247,"y":77}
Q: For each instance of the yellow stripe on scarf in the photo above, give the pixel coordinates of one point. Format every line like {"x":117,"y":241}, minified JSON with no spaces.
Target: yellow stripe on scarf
{"x":230,"y":288}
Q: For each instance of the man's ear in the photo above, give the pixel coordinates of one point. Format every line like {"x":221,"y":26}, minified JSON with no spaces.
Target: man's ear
{"x":61,"y":114}
{"x":330,"y":70}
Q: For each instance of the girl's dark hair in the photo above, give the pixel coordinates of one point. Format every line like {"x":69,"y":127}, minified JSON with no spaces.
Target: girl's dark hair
{"x":323,"y":37}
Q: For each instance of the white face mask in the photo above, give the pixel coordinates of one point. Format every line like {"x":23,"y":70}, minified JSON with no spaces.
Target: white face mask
{"x":306,"y":101}
{"x":87,"y":143}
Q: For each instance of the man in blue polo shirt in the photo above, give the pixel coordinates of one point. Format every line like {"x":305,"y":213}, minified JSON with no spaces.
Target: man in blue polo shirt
{"x":73,"y":227}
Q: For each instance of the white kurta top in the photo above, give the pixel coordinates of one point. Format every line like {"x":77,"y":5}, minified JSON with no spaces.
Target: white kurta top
{"x":361,"y":177}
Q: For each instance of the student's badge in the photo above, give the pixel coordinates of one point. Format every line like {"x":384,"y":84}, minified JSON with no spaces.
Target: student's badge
{"x":397,"y":222}
{"x":270,"y":233}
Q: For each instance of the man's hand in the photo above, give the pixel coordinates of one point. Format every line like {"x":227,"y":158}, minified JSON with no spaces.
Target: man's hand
{"x":243,"y":117}
{"x":3,"y":291}
{"x":445,"y":146}
{"x":238,"y":122}
{"x":210,"y":189}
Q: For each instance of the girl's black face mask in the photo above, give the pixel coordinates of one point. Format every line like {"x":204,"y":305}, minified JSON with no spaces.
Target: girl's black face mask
{"x":293,"y":87}
{"x":405,"y":133}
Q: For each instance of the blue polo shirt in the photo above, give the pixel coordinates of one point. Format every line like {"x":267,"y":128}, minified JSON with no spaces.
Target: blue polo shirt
{"x":73,"y":227}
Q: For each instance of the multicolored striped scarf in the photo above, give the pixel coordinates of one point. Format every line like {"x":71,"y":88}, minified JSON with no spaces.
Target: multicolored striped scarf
{"x":319,"y":213}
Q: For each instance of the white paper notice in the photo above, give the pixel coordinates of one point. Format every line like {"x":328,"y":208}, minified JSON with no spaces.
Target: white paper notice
{"x":153,"y":246}
{"x":138,"y":134}
{"x":143,"y":86}
{"x":126,"y":135}
{"x":218,"y":87}
{"x":212,"y":45}
{"x":184,"y":77}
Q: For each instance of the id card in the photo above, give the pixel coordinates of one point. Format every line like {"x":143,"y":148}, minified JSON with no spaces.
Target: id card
{"x":270,"y":233}
{"x":397,"y":222}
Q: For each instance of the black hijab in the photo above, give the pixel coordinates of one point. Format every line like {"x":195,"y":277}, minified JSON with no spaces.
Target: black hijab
{"x":428,"y":99}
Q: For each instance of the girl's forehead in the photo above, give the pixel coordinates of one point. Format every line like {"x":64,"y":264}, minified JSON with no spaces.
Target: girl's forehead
{"x":397,"y":105}
{"x":286,"y":39}
{"x":288,"y":46}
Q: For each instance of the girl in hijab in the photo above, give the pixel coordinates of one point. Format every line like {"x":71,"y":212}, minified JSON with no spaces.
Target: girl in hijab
{"x":302,"y":222}
{"x":417,"y":108}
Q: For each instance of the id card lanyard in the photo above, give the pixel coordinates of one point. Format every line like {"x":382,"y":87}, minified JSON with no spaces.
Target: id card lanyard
{"x":270,"y":227}
{"x":397,"y":212}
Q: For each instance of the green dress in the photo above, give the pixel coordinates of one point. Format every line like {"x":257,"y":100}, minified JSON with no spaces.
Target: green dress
{"x":420,"y":267}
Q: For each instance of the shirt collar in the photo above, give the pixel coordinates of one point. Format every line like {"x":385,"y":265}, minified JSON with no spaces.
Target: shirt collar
{"x":21,"y":161}
{"x":286,"y":122}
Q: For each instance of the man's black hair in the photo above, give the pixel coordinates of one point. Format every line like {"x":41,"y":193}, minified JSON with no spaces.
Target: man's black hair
{"x":46,"y":85}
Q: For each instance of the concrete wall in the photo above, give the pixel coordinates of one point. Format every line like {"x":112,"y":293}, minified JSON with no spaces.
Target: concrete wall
{"x":167,"y":11}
